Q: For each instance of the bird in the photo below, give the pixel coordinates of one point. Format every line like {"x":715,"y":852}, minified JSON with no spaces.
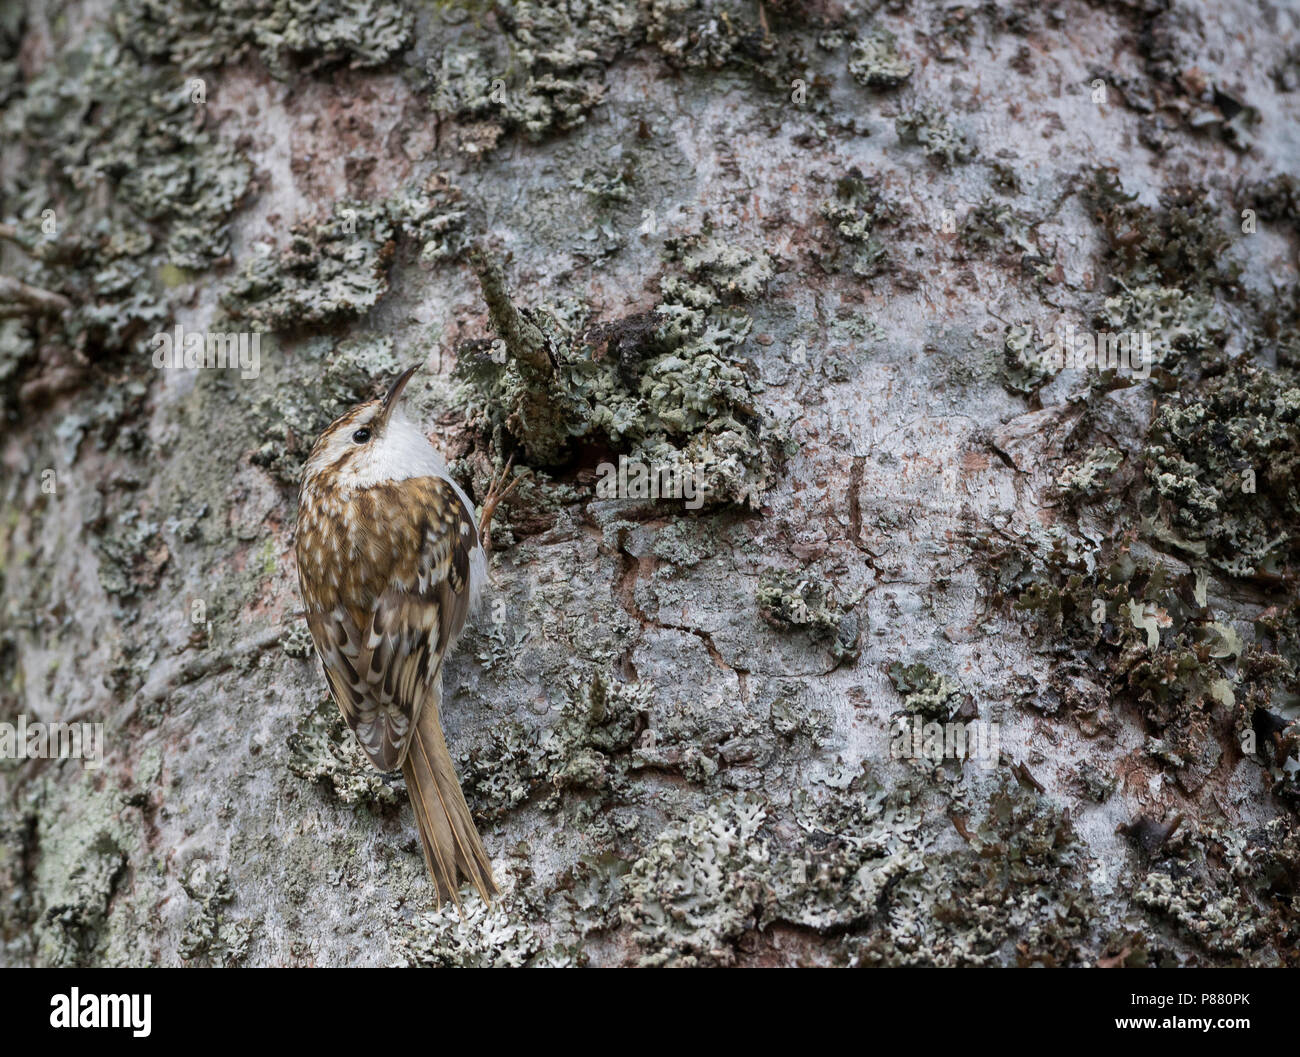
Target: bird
{"x":390,"y":565}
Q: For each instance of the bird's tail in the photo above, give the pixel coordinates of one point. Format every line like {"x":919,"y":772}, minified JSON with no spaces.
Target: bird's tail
{"x":452,"y":848}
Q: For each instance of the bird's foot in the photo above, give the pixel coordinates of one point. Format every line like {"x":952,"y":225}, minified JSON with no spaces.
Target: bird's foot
{"x":497,"y":491}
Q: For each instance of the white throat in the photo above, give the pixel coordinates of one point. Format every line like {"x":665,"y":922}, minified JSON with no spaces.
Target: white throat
{"x":398,"y":454}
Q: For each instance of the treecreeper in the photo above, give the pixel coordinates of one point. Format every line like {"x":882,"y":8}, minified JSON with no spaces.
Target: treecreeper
{"x":391,"y":564}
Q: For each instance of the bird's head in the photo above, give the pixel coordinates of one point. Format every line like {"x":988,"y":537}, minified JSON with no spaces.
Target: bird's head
{"x":371,"y":444}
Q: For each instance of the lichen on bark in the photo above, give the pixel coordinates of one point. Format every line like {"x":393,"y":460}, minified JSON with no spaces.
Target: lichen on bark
{"x":809,"y":254}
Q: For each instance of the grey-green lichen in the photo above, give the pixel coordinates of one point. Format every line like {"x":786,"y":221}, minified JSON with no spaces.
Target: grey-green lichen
{"x":497,"y":938}
{"x":297,"y":642}
{"x":545,"y":70}
{"x":83,"y":861}
{"x":842,"y":873}
{"x":120,"y":185}
{"x":586,"y":752}
{"x":924,"y":691}
{"x":322,"y":751}
{"x":705,"y":742}
{"x":142,"y":137}
{"x":875,"y":61}
{"x":929,"y":128}
{"x":598,"y":724}
{"x":1091,"y":474}
{"x":862,"y":865}
{"x":994,"y":228}
{"x":1211,"y":485}
{"x":1177,"y":322}
{"x":1231,"y":890}
{"x":336,"y":269}
{"x":669,"y":387}
{"x":789,"y":600}
{"x":1223,"y":465}
{"x":1186,"y":673}
{"x":685,"y":544}
{"x":1017,"y":893}
{"x":132,"y":555}
{"x":1180,"y":242}
{"x":699,"y":885}
{"x":855,"y":209}
{"x":198,"y":35}
{"x":212,"y":935}
{"x":1026,"y":366}
{"x":1169,"y":265}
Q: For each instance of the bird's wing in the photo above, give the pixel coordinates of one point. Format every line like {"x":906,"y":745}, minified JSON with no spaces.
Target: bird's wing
{"x":403,"y":600}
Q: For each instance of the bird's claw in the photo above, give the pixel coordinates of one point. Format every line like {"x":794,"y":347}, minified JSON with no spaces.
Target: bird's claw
{"x":496,"y":493}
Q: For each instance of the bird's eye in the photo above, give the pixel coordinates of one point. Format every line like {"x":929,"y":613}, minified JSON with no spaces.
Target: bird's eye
{"x":361,"y":436}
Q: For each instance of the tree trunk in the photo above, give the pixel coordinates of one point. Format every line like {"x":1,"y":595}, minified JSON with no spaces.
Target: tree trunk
{"x":842,"y":618}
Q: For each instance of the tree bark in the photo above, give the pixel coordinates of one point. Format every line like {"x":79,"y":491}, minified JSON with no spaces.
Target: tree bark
{"x":803,"y":261}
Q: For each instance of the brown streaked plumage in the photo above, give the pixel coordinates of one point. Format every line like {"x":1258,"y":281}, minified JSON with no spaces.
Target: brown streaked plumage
{"x":390,"y":565}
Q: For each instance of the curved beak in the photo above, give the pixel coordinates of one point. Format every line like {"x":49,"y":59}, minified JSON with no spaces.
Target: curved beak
{"x":394,"y":395}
